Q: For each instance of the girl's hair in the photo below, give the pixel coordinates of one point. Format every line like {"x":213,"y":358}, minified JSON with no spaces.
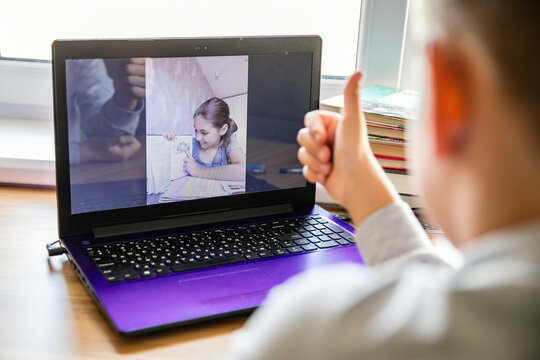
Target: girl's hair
{"x":217,"y":111}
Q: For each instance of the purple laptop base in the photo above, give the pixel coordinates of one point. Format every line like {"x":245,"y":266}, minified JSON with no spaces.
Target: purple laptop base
{"x":150,"y":304}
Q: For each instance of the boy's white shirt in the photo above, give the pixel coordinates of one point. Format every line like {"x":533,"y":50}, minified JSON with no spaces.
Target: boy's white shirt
{"x":410,"y":302}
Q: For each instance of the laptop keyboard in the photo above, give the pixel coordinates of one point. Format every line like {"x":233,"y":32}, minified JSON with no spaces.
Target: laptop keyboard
{"x":176,"y":253}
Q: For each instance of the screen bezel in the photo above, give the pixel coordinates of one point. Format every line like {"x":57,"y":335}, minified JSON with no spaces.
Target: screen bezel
{"x":79,"y":224}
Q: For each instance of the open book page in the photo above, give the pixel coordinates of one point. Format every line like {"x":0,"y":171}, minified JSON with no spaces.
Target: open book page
{"x":158,"y":157}
{"x":188,"y":188}
{"x":165,"y":160}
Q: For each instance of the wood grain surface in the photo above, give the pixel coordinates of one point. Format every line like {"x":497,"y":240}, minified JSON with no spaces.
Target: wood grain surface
{"x":45,"y":312}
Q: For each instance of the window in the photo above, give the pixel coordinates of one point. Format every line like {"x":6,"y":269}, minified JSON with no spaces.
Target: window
{"x":29,"y":26}
{"x":357,"y":34}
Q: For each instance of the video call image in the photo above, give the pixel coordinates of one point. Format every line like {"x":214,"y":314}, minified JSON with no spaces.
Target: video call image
{"x":147,"y":131}
{"x":196,"y":116}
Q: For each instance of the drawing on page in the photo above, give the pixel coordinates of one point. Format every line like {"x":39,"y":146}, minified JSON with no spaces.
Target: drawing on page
{"x":181,"y":150}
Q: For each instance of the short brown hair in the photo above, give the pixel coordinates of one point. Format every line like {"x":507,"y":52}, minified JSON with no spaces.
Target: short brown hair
{"x":510,"y":30}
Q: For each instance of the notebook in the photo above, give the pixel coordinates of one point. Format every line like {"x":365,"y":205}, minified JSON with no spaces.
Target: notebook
{"x":161,"y":215}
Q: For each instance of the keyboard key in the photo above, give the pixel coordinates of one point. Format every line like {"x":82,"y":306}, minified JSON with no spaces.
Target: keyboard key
{"x":113,"y":278}
{"x":343,"y":242}
{"x":348,"y":237}
{"x":286,"y":244}
{"x":288,"y":236}
{"x":295,"y":249}
{"x":280,"y":252}
{"x":108,"y":271}
{"x":334,"y":236}
{"x":327,"y":244}
{"x":207,"y":263}
{"x":162,"y":270}
{"x":140,"y":267}
{"x":108,"y":265}
{"x":252,"y":256}
{"x":301,"y":242}
{"x":265,"y":254}
{"x":334,"y":228}
{"x":147,"y":273}
{"x":274,"y":246}
{"x":309,"y":247}
{"x":131,"y":275}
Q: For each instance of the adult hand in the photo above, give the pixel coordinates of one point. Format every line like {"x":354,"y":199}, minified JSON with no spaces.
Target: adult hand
{"x":129,"y":81}
{"x":335,"y":152}
{"x":110,"y":148}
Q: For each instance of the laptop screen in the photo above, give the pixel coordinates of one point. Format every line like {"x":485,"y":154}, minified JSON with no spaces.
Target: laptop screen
{"x":148,"y":131}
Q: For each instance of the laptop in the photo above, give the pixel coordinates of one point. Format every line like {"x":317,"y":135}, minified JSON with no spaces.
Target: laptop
{"x":180,"y":196}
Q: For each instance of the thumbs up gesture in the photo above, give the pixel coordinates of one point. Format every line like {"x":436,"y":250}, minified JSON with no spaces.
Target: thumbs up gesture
{"x":335,"y":152}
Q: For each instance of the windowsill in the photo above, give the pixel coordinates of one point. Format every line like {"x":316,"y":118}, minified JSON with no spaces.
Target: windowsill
{"x":27,"y":152}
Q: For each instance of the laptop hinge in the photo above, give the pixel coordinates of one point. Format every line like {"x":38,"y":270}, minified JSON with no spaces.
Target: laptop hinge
{"x":190,"y":220}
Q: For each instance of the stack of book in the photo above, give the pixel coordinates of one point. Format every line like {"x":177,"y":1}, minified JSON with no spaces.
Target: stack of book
{"x":387,"y":112}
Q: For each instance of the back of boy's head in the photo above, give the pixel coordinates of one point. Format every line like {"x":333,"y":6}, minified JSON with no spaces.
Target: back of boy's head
{"x":510,"y":31}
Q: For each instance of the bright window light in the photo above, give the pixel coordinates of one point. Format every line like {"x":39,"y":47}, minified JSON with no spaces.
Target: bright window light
{"x":27,"y":27}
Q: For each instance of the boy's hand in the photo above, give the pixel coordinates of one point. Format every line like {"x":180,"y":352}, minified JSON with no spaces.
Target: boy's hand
{"x":129,"y":79}
{"x":333,"y":146}
{"x":335,"y":152}
{"x":112,"y":148}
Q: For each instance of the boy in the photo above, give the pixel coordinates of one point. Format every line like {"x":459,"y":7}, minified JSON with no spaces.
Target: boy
{"x":477,"y":152}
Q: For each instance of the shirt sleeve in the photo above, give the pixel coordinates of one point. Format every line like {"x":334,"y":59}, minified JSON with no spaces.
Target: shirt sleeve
{"x":342,"y":311}
{"x":393,"y":234}
{"x":94,"y":95}
{"x":346,"y":312}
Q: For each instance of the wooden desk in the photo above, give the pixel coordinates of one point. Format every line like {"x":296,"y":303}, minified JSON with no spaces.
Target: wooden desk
{"x":45,"y":312}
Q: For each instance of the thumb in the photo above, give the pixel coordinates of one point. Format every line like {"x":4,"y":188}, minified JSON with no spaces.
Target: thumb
{"x":352,"y":99}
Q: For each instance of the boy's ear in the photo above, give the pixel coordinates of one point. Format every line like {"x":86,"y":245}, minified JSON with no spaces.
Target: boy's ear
{"x":448,"y":99}
{"x":223,"y":129}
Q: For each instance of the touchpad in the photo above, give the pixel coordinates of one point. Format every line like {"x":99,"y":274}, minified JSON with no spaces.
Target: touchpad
{"x":228,"y":284}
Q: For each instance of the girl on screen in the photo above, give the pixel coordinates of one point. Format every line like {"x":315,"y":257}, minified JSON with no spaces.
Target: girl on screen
{"x":216,"y":153}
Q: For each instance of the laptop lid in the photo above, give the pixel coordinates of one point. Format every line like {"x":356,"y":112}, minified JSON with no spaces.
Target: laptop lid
{"x":148,"y":130}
